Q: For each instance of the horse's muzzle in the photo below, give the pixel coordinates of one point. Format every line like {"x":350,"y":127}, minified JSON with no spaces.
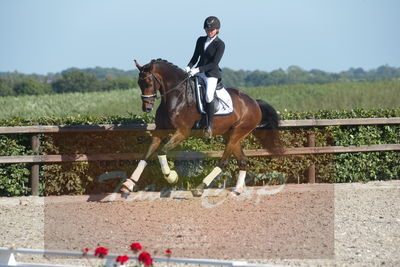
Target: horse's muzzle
{"x":147,"y":108}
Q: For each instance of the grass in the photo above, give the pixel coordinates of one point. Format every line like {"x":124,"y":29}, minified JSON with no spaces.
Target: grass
{"x":303,"y":97}
{"x":341,"y":96}
{"x":117,"y":102}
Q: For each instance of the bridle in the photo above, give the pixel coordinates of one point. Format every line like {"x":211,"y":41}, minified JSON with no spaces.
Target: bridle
{"x":154,"y":94}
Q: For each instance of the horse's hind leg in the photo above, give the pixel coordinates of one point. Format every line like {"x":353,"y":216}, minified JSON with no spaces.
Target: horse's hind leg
{"x":243,"y":163}
{"x":230,"y":147}
{"x":233,"y":146}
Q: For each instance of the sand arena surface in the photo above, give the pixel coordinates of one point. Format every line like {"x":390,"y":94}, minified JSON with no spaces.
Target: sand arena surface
{"x":296,"y":225}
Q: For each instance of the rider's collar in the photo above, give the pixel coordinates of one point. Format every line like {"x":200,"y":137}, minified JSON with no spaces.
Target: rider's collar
{"x":211,"y":39}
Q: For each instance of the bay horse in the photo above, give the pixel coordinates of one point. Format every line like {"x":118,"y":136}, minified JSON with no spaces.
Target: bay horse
{"x":178,"y":112}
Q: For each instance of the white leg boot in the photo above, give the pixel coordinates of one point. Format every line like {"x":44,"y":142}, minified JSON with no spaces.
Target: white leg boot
{"x":170,"y":176}
{"x":240,"y":184}
{"x":129,"y":184}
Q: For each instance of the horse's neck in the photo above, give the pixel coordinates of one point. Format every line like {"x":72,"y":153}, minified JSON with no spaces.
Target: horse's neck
{"x":177,"y":92}
{"x":171,"y":82}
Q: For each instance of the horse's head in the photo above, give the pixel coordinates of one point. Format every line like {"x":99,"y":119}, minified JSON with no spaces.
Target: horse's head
{"x":149,"y":84}
{"x":159,"y":75}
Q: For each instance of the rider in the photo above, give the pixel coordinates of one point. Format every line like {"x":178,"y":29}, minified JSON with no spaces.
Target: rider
{"x":210,"y":49}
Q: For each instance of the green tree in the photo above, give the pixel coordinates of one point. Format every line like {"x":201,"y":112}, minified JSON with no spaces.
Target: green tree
{"x":5,"y":88}
{"x":106,"y":73}
{"x":233,"y":78}
{"x":118,"y":83}
{"x":277,"y":77}
{"x":257,"y":78}
{"x":76,"y":81}
{"x":297,"y":75}
{"x":31,"y":86}
{"x":386,"y":71}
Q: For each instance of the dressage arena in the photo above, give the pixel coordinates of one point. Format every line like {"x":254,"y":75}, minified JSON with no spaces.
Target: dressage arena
{"x":296,"y":225}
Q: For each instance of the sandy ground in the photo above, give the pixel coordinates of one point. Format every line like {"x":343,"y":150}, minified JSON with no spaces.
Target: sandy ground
{"x":294,"y":225}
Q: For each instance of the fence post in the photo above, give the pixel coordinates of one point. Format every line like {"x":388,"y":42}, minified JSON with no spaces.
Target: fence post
{"x":311,"y":168}
{"x":35,"y":142}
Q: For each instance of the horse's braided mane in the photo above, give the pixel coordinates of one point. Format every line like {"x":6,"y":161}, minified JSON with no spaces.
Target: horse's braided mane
{"x":163,"y":61}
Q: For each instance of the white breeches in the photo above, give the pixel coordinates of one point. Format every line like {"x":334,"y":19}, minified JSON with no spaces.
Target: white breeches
{"x":211,"y":86}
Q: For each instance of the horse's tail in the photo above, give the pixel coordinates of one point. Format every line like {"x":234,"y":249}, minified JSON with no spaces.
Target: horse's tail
{"x":267,"y":131}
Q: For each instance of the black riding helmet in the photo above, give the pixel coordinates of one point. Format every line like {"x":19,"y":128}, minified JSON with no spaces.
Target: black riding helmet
{"x":212,"y":23}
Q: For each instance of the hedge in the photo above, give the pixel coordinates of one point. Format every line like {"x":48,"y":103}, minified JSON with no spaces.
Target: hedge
{"x":105,"y":176}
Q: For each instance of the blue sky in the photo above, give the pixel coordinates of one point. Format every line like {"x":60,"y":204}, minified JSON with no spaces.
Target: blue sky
{"x":41,"y":36}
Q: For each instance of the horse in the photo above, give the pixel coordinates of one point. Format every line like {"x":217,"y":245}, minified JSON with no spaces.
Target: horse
{"x":178,"y":112}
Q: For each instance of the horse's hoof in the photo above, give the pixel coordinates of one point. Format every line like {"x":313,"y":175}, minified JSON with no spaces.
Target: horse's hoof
{"x":237,"y":192}
{"x":124,"y":190}
{"x":172,"y":177}
{"x":125,"y":195}
{"x":198,"y":192}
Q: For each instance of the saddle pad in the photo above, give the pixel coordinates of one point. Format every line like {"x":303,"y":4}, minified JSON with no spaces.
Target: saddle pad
{"x":225,"y":106}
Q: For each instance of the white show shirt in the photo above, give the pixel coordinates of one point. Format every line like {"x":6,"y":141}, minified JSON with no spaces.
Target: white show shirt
{"x":208,"y":42}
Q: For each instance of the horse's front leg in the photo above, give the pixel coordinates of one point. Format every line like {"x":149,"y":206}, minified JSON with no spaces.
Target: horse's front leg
{"x":130,"y":183}
{"x":170,"y":175}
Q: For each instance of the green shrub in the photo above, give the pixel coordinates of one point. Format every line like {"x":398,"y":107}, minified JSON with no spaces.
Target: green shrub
{"x":14,"y":178}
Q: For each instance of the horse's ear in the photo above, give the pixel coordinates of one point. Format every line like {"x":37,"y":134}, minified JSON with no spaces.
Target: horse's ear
{"x":137,"y":65}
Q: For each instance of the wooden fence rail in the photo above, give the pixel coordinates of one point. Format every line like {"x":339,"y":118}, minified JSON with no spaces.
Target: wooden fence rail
{"x":310,"y":149}
{"x":129,"y":127}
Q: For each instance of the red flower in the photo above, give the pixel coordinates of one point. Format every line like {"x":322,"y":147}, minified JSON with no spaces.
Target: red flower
{"x":136,"y":247}
{"x":122,"y":259}
{"x":168,"y":252}
{"x":85,"y":251}
{"x":145,"y":258}
{"x":101,"y":252}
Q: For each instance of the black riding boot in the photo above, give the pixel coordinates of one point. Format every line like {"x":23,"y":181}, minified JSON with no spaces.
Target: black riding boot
{"x":210,"y":109}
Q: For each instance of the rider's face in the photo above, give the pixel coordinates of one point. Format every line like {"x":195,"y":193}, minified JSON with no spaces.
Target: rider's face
{"x":211,"y":33}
